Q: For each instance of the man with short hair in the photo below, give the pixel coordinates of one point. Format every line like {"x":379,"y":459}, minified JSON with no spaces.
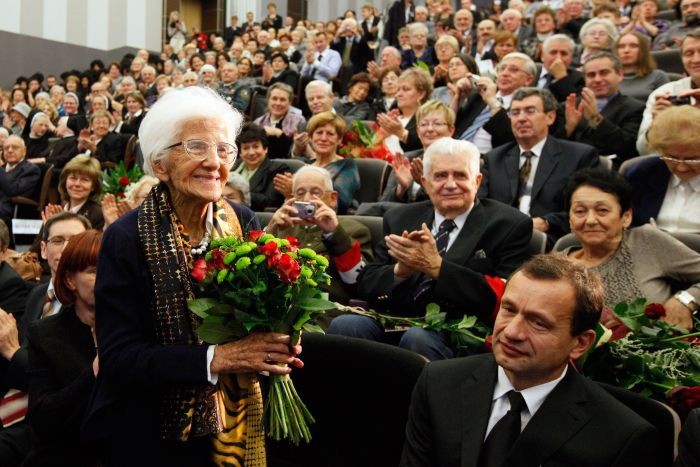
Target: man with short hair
{"x":319,"y":96}
{"x":512,"y":21}
{"x":18,"y":177}
{"x":524,"y":404}
{"x":232,"y":31}
{"x":483,"y":47}
{"x":604,"y":118}
{"x":147,"y":86}
{"x":237,"y":94}
{"x":323,"y":63}
{"x":530,"y":172}
{"x":451,"y":250}
{"x":571,"y":17}
{"x":351,"y":46}
{"x":346,"y":242}
{"x":671,"y":39}
{"x":463,"y":29}
{"x":389,"y":57}
{"x":263,"y":38}
{"x":688,"y":87}
{"x":556,"y":73}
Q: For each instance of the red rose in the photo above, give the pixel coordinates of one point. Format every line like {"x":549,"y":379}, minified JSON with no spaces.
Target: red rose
{"x":120,"y":194}
{"x":254,"y":235}
{"x":217,"y":257}
{"x":293,"y":243}
{"x":288,"y":269}
{"x":269,"y":249}
{"x":272,"y":260}
{"x":124,"y":181}
{"x":488,"y":343}
{"x":683,"y":399}
{"x":199,"y":270}
{"x":654,"y":311}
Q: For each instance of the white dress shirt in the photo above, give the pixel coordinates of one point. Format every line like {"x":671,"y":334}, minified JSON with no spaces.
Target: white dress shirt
{"x":680,"y":211}
{"x":526,"y":199}
{"x":534,"y":398}
{"x":326,"y":68}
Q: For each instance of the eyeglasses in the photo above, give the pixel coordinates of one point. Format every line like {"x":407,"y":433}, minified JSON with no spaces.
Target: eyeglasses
{"x":317,"y":192}
{"x":426,"y":125}
{"x":199,"y":149}
{"x":58,"y":241}
{"x":528,"y":111}
{"x":596,"y":33}
{"x":680,"y":161}
{"x":510,"y":69}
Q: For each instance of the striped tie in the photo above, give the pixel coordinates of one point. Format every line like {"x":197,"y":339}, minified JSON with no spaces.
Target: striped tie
{"x":48,"y":303}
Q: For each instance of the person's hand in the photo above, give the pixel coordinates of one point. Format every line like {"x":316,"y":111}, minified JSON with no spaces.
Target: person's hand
{"x":463,"y":86}
{"x":678,"y":314}
{"x":325,"y":217}
{"x":440,"y":72}
{"x":589,"y":102}
{"x":87,"y":143}
{"x":562,"y":18}
{"x":259,"y":351}
{"x":301,"y":142}
{"x":539,"y":223}
{"x":417,"y":251}
{"x":487,"y":90}
{"x":109,"y":209}
{"x":694,"y":93}
{"x":9,"y":336}
{"x":417,"y":170}
{"x":402,"y":170}
{"x":50,"y":210}
{"x":284,"y":218}
{"x":267,"y":72}
{"x":373,"y":69}
{"x":558,"y":69}
{"x":390,"y":123}
{"x":283,"y":184}
{"x":273,"y":131}
{"x":661,"y":103}
{"x":573,"y":113}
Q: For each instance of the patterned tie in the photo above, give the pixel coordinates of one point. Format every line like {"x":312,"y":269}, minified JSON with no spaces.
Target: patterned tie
{"x":503,"y":434}
{"x":524,"y":175}
{"x":441,"y":240}
{"x":48,"y":303}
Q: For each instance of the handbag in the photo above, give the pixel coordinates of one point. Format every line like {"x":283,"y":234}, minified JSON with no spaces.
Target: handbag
{"x":25,"y":264}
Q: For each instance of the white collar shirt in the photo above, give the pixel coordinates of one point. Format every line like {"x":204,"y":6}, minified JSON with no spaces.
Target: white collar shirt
{"x":680,"y":211}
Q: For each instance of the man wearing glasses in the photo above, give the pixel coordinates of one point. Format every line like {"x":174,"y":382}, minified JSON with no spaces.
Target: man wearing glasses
{"x":530,"y":172}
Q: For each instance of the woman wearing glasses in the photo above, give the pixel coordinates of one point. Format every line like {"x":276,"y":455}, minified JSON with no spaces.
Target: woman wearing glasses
{"x":159,"y":390}
{"x":596,"y":35}
{"x":667,"y":188}
{"x":633,"y":262}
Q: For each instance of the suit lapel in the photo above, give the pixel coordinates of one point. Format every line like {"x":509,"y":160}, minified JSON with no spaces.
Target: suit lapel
{"x":477,"y":393}
{"x":548,"y":161}
{"x":512,"y":166}
{"x":472,"y":231}
{"x":563,"y":408}
{"x":612,"y":106}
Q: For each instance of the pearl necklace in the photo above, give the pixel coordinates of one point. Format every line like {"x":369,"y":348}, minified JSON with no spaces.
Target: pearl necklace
{"x":202,"y":247}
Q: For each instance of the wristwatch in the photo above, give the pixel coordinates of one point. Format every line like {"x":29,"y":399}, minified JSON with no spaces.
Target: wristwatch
{"x":687,"y":299}
{"x":594,"y":121}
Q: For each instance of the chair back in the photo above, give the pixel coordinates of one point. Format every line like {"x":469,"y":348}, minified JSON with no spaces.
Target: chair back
{"x":258,"y":104}
{"x":359,"y":392}
{"x":668,"y":15}
{"x":129,"y":151}
{"x":630,"y":162}
{"x":374,"y":224}
{"x":374,"y":174}
{"x":657,"y":414}
{"x":538,"y":243}
{"x":669,"y":60}
{"x":294,"y":164}
{"x":565,"y":242}
{"x":264,"y":218}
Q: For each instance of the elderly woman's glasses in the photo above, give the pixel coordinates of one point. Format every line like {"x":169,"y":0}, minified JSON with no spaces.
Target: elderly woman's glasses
{"x":680,"y":161}
{"x":199,"y":149}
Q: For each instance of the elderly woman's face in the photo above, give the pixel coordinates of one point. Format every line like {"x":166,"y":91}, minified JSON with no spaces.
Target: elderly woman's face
{"x":253,"y":154}
{"x":358,"y":92}
{"x":444,"y":52}
{"x":456,"y":69}
{"x":408,"y":94}
{"x":504,"y":48}
{"x":390,"y":84}
{"x":40,"y":127}
{"x":98,"y":104}
{"x":325,"y":140}
{"x":189,"y":177}
{"x":79,"y":187}
{"x":70,"y":105}
{"x":597,"y":38}
{"x":278,"y":103}
{"x":100,"y":126}
{"x":596,"y":218}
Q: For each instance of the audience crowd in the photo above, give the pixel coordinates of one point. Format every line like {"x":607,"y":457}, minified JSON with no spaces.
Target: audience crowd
{"x":506,"y":121}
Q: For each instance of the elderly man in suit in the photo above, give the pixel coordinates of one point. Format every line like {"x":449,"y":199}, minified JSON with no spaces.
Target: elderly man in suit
{"x":556,"y":73}
{"x":18,"y":177}
{"x":321,"y":62}
{"x":523,"y":404}
{"x":529,"y":173}
{"x":452,"y":250}
{"x":604,"y":118}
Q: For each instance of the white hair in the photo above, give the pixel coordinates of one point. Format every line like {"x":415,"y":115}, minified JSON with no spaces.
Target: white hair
{"x":207,"y":67}
{"x":317,"y":83}
{"x":558,"y":38}
{"x":528,"y":63}
{"x":514,"y":11}
{"x":4,"y":132}
{"x":606,"y":23}
{"x":417,"y":27}
{"x":447,"y":146}
{"x":327,"y":180}
{"x":166,"y":120}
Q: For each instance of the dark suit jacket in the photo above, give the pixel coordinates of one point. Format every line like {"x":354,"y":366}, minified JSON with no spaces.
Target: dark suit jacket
{"x":262,"y":190}
{"x":579,"y":423}
{"x":649,"y":179}
{"x":111,"y":148}
{"x":559,"y":159}
{"x":493,"y":242}
{"x":22,"y":180}
{"x":412,"y":142}
{"x":61,"y":351}
{"x":134,"y":368}
{"x":360,"y":53}
{"x":396,"y":19}
{"x":93,"y":212}
{"x":573,"y":82}
{"x":33,"y":310}
{"x":689,"y":440}
{"x":287,"y":76}
{"x":367,"y":34}
{"x":617,"y":133}
{"x":13,"y":291}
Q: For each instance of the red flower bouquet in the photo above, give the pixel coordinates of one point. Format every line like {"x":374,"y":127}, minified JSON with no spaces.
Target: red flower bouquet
{"x":262,"y":283}
{"x":364,"y":143}
{"x":118,"y":181}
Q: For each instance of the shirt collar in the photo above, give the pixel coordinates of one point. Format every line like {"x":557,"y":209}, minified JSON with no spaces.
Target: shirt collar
{"x":534,"y":396}
{"x":536,"y":149}
{"x":694,"y":182}
{"x":459,"y":220}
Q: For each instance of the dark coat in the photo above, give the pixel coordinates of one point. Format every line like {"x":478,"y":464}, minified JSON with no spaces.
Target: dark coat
{"x":493,"y":242}
{"x":22,"y":180}
{"x":396,"y":19}
{"x":13,"y":291}
{"x":92,"y":210}
{"x":649,"y":179}
{"x":111,"y":148}
{"x":360,"y":53}
{"x":262,"y":190}
{"x":572,"y":83}
{"x":579,"y":424}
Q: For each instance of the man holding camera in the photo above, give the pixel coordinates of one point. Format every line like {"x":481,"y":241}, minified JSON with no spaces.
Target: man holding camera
{"x":310,"y":216}
{"x":683,"y":91}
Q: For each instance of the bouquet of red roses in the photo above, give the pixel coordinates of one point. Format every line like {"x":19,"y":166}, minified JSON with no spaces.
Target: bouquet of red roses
{"x":118,"y":181}
{"x":363,"y":143}
{"x":262,"y":283}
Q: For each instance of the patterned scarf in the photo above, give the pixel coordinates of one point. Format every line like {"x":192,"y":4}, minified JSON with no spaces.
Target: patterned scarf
{"x":190,"y":410}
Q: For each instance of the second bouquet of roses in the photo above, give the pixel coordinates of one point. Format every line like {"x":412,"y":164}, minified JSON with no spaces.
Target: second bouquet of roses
{"x":262,"y":283}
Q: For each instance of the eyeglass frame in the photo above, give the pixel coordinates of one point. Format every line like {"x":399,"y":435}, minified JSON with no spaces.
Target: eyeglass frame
{"x":436,"y":125}
{"x":58,"y":241}
{"x":299,"y":196}
{"x":674,"y":160}
{"x":527,"y":111}
{"x":234,"y":150}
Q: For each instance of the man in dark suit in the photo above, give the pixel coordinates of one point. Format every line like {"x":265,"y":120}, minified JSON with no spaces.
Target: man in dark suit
{"x":452,"y":250}
{"x":512,"y":21}
{"x":369,"y":23}
{"x":530,"y":172}
{"x":524,"y":404}
{"x":352,"y":46}
{"x":18,"y":177}
{"x":230,"y":32}
{"x":604,"y":118}
{"x":556,"y":73}
{"x":401,"y":13}
{"x":13,"y":290}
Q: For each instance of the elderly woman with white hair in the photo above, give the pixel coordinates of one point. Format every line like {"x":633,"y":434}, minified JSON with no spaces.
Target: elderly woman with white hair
{"x":420,"y":50}
{"x":40,"y":130}
{"x":596,"y":35}
{"x":161,"y":392}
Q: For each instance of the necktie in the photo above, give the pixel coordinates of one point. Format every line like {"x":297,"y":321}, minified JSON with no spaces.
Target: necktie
{"x":524,"y":174}
{"x":503,"y":434}
{"x":441,"y":240}
{"x":548,"y":80}
{"x":346,"y":52}
{"x":48,"y":303}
